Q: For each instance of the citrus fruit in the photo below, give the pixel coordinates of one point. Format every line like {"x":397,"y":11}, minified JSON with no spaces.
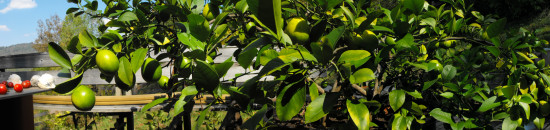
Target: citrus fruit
{"x":18,"y":88}
{"x":438,"y":65}
{"x":449,"y":43}
{"x":163,"y":82}
{"x":151,"y":70}
{"x":107,"y":62}
{"x":3,"y":89}
{"x":209,"y":12}
{"x":184,"y":62}
{"x":83,"y":98}
{"x":298,"y":30}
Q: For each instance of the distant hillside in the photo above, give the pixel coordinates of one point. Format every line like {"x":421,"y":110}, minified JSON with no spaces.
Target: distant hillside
{"x":22,"y":48}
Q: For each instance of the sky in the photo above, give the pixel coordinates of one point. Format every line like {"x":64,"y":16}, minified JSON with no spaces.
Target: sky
{"x":19,"y":18}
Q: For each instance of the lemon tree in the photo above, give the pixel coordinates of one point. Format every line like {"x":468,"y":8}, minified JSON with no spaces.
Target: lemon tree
{"x":409,"y":66}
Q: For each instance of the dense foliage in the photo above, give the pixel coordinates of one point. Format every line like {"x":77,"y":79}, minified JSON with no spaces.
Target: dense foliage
{"x":332,"y":61}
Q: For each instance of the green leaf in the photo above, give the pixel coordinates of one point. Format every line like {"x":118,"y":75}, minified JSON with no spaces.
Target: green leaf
{"x":222,"y":68}
{"x":320,"y":107}
{"x":279,"y":21}
{"x":152,"y":104}
{"x":509,"y":124}
{"x":249,"y":52}
{"x":290,"y":54}
{"x":93,"y":7}
{"x":286,"y":56}
{"x":58,"y":55}
{"x":397,"y":99}
{"x":192,"y":42}
{"x":488,"y":104}
{"x":428,"y":84}
{"x":414,"y":5}
{"x":442,"y":116}
{"x":322,"y":51}
{"x":127,"y":16}
{"x":544,"y":77}
{"x":329,"y":4}
{"x":494,"y":50}
{"x":448,"y":73}
{"x":496,"y":28}
{"x":267,"y":55}
{"x":335,"y":35}
{"x":76,"y":58}
{"x":415,"y":94}
{"x":355,"y":57}
{"x":125,"y":73}
{"x":313,"y":91}
{"x":359,"y":113}
{"x":241,"y":6}
{"x":68,"y":85}
{"x":200,"y":119}
{"x":290,"y":100}
{"x":447,"y":95}
{"x":74,"y":46}
{"x":138,"y":57}
{"x":187,"y":95}
{"x":526,"y":109}
{"x":381,"y":29}
{"x":428,"y":21}
{"x":399,"y":123}
{"x":255,"y":119}
{"x":198,"y":27}
{"x":71,"y":10}
{"x":263,"y":10}
{"x":87,"y":39}
{"x":196,"y":6}
{"x":363,"y":75}
{"x":205,"y":76}
{"x":539,"y":123}
{"x":245,"y":57}
{"x":349,"y":15}
{"x":406,"y":42}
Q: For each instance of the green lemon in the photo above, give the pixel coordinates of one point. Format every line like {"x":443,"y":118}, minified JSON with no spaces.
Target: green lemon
{"x":298,"y":30}
{"x":83,"y":98}
{"x":163,"y":82}
{"x":107,"y":61}
{"x":151,"y":70}
{"x":449,"y":43}
{"x":184,"y":62}
{"x":438,"y":65}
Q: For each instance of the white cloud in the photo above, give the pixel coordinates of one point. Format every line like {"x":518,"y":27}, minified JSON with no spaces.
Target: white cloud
{"x":19,"y":4}
{"x":4,"y":28}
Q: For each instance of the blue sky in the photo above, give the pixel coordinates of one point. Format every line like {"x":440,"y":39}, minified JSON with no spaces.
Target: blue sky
{"x":19,"y":18}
